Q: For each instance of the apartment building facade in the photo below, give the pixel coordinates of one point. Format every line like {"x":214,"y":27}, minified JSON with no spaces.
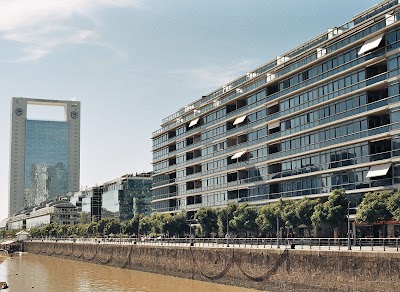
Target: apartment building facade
{"x":323,"y":116}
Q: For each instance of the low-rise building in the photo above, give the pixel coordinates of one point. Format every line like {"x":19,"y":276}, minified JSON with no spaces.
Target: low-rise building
{"x":59,"y":212}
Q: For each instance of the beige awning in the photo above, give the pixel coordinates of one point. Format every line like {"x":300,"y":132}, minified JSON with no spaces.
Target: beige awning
{"x":274,"y":125}
{"x":239,"y":120}
{"x":194,"y":122}
{"x":238,"y":155}
{"x":371,"y":44}
{"x":379,"y":170}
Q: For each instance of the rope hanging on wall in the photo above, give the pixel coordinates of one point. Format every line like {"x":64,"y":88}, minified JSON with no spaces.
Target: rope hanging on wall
{"x":218,"y":275}
{"x":72,"y":251}
{"x":108,"y":259}
{"x":281,"y":259}
{"x":50,"y":245}
{"x":87,"y":247}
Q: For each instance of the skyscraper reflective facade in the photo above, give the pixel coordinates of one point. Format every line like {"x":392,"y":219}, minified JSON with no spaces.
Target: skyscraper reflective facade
{"x":126,"y":197}
{"x":323,"y":116}
{"x":44,"y":160}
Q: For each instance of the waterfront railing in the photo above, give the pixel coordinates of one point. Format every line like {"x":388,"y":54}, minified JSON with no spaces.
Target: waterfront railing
{"x":361,"y":244}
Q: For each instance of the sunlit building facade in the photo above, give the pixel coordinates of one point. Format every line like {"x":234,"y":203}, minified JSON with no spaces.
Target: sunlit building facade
{"x":320,"y":117}
{"x":44,"y":154}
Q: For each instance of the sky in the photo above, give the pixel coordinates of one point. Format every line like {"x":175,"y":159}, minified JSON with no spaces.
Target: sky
{"x":132,"y":63}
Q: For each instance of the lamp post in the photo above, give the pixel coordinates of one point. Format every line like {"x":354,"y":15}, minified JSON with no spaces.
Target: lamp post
{"x":277,"y":232}
{"x":227,"y":228}
{"x":190,"y":221}
{"x":348,"y":226}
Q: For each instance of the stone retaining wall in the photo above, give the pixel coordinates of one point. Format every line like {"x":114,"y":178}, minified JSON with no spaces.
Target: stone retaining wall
{"x":263,"y":269}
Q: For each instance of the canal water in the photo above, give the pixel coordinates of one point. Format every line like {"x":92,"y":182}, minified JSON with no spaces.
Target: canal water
{"x":31,"y":272}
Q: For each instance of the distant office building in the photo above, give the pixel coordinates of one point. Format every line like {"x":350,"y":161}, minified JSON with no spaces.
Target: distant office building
{"x":323,"y":116}
{"x":91,"y":202}
{"x":44,"y":154}
{"x":126,"y":196}
{"x":76,"y":199}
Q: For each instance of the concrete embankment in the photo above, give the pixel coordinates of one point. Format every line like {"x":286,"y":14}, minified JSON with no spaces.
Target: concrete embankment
{"x":263,"y":269}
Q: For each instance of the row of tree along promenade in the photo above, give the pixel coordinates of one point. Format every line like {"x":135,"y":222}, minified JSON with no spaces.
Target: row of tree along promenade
{"x":283,"y":219}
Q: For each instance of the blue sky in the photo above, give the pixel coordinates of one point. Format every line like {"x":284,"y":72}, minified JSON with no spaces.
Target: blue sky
{"x":133,"y":62}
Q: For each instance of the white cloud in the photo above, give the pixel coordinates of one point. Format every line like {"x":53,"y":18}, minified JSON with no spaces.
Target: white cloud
{"x":41,"y":26}
{"x":211,"y":76}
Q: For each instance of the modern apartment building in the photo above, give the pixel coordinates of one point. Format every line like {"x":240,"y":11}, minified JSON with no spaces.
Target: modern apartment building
{"x":320,"y":117}
{"x":44,"y":154}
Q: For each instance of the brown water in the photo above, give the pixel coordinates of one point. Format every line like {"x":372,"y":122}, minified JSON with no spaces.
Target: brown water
{"x":30,"y":272}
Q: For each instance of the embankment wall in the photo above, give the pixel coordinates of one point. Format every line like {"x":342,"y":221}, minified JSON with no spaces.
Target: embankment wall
{"x":263,"y":269}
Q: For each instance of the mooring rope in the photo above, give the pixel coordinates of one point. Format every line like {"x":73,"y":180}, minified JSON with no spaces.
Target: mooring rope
{"x":52,"y":245}
{"x":282,"y":258}
{"x":218,"y":275}
{"x":65,"y":247}
{"x":128,"y":258}
{"x":56,"y":249}
{"x":107,"y":260}
{"x":95,"y":253}
{"x":33,"y":249}
{"x":72,"y":251}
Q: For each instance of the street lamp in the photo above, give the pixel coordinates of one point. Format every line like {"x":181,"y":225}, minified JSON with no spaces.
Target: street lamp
{"x":277,"y":232}
{"x":227,"y":228}
{"x":190,"y":231}
{"x":348,"y":226}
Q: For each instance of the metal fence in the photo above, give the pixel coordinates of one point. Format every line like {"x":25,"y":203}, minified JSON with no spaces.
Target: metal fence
{"x":362,"y":244}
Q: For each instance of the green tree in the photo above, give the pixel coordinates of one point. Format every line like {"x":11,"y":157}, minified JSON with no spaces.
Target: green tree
{"x":101,"y":225}
{"x":131,"y":226}
{"x":305,"y":209}
{"x":93,"y":228}
{"x":266,"y":220}
{"x":157,"y":222}
{"x":375,"y":207}
{"x":244,"y":219}
{"x":180,"y":224}
{"x":332,"y":212}
{"x":167,"y":225}
{"x":145,"y":223}
{"x":289,"y":213}
{"x":112,"y":227}
{"x":225,"y":215}
{"x":84,"y":218}
{"x":208,"y":221}
{"x":394,"y":205}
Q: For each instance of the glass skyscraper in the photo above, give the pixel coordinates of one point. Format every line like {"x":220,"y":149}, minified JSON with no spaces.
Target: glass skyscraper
{"x":44,"y":162}
{"x":126,"y":196}
{"x":323,"y":116}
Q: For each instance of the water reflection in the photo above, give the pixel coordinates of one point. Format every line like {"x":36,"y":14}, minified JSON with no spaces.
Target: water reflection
{"x":30,"y":272}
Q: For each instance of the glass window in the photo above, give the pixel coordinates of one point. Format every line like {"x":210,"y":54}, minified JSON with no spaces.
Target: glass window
{"x":390,"y":37}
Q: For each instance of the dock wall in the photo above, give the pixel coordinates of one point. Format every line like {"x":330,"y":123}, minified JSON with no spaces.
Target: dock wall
{"x":263,"y":269}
